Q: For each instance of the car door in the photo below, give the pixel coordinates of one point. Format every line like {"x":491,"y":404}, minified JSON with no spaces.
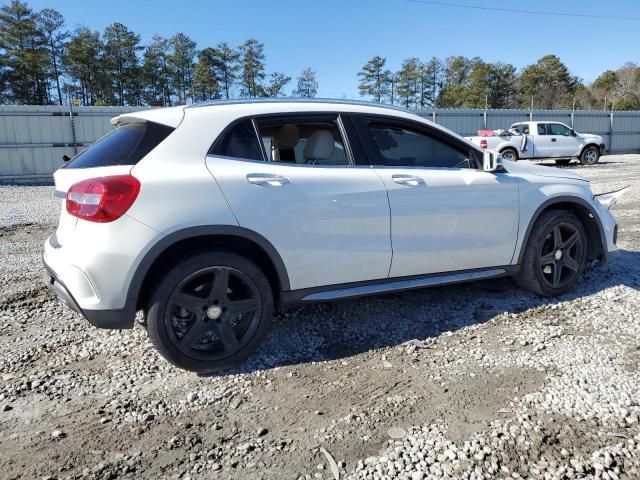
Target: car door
{"x":543,"y":146}
{"x":446,"y":214}
{"x":292,"y":179}
{"x":563,"y":143}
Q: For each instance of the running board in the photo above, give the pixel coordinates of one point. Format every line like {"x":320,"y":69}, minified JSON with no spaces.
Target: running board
{"x":392,"y":286}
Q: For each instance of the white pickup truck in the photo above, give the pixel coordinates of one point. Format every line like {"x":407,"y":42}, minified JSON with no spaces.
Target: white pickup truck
{"x":543,"y":140}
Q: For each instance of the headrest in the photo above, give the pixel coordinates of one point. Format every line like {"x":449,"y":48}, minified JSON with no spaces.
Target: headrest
{"x":287,"y":136}
{"x":320,"y":146}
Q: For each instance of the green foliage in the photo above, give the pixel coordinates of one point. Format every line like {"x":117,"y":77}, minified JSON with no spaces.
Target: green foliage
{"x":205,"y":83}
{"x":307,"y":84}
{"x":121,"y":63}
{"x":51,"y":24}
{"x":252,"y":64}
{"x":548,"y":81}
{"x":24,"y":55}
{"x":43,"y":63}
{"x":157,"y":73}
{"x":225,"y":65}
{"x":183,"y":51}
{"x":278,"y":80}
{"x":85,"y":68}
{"x":373,"y":79}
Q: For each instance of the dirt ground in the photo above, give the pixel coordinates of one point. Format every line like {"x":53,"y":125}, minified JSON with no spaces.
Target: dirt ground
{"x":479,"y":380}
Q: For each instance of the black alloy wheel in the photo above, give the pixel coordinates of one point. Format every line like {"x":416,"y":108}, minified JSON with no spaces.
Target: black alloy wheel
{"x":210,"y":311}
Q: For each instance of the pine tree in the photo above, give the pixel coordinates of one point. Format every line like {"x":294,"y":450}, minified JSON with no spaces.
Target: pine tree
{"x":205,"y":83}
{"x":121,"y":46}
{"x":307,"y":84}
{"x":252,"y":64}
{"x":373,"y":81}
{"x":24,"y":54}
{"x":548,"y":81}
{"x":156,"y":73}
{"x":51,"y":23}
{"x":277,"y":82}
{"x":408,"y":81}
{"x":225,"y":66}
{"x":85,"y":67}
{"x":181,"y":62}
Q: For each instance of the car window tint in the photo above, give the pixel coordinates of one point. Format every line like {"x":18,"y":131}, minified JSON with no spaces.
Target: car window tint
{"x":397,"y":146}
{"x":542,"y":130}
{"x":558,"y":129}
{"x":303,"y":141}
{"x":239,"y":142}
{"x":125,"y":145}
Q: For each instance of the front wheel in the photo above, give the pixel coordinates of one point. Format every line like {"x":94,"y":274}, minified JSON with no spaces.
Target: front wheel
{"x":554,"y":255}
{"x":210,"y":311}
{"x":590,"y":156}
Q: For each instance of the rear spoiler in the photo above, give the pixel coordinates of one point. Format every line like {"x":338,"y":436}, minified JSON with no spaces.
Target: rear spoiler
{"x":171,"y":117}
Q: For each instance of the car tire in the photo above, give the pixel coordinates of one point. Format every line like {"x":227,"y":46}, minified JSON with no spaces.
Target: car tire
{"x":209,"y":311}
{"x":590,"y":156}
{"x":512,"y":155}
{"x":555,"y":254}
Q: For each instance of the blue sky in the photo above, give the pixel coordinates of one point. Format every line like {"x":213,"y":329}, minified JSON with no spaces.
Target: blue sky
{"x":336,"y":37}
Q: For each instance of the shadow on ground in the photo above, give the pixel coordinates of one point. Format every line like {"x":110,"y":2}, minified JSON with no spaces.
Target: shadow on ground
{"x":342,"y":329}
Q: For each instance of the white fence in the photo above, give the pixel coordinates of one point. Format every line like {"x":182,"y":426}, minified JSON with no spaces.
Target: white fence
{"x":33,"y":139}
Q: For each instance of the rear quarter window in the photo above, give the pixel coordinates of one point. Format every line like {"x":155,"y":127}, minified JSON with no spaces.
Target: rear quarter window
{"x":126,"y":145}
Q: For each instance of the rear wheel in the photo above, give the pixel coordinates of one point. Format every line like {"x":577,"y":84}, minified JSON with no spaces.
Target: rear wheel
{"x":590,"y":156}
{"x":554,"y":255}
{"x":210,"y":311}
{"x":509,"y":154}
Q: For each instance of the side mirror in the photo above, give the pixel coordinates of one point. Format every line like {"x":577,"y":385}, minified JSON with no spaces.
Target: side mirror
{"x":573,"y":133}
{"x":66,"y":158}
{"x":491,"y":162}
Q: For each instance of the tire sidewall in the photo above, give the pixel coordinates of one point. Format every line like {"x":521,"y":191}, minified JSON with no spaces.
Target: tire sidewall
{"x":514,"y":154}
{"x":583,"y":157}
{"x":155,"y":313}
{"x":530,"y":276}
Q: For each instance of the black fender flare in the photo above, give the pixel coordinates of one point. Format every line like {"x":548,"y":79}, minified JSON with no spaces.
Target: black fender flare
{"x":564,"y":199}
{"x":199,"y":231}
{"x":587,"y":146}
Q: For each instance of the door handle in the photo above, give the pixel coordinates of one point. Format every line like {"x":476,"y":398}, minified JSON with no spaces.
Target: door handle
{"x":409,"y":180}
{"x":553,"y":139}
{"x":267,"y":179}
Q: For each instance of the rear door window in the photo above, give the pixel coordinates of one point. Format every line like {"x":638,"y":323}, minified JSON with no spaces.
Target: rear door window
{"x":542,"y":129}
{"x":558,"y":129}
{"x":126,"y":145}
{"x":303,"y":140}
{"x":241,"y":141}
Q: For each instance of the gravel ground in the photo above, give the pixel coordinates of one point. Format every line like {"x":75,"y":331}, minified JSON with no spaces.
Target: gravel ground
{"x":475,"y":381}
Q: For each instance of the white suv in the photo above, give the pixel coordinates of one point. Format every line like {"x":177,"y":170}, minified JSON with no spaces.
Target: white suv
{"x":208,"y":217}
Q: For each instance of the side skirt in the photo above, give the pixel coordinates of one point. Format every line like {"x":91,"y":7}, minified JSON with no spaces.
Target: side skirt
{"x":360,"y":289}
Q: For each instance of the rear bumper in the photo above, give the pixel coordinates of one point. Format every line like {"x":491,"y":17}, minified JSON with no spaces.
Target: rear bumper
{"x":112,"y":319}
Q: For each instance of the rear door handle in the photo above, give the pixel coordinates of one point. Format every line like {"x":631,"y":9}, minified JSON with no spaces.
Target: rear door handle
{"x":267,"y":179}
{"x":553,"y":139}
{"x":408,"y":180}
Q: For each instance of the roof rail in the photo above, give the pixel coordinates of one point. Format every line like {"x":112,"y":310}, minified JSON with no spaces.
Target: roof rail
{"x":335,"y":101}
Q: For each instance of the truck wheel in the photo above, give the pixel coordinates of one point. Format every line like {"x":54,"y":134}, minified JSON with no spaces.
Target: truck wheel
{"x":209,"y":311}
{"x":590,"y":156}
{"x":554,"y":255}
{"x":509,"y":154}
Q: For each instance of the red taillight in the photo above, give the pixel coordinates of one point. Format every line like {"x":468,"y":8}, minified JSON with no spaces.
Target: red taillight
{"x":483,"y":143}
{"x":103,"y":199}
